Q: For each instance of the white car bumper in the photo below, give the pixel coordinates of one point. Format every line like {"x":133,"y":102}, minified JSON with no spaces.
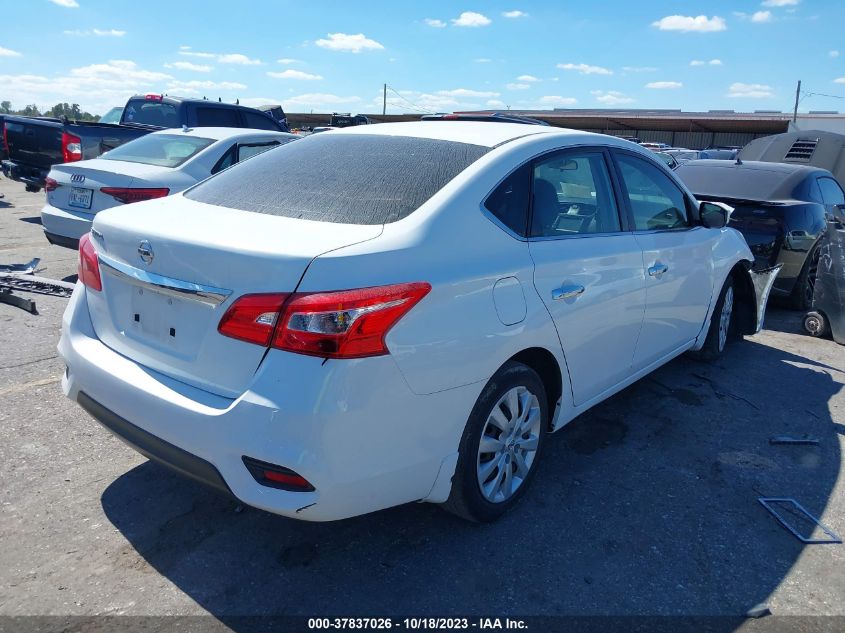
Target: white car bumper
{"x":353,"y":429}
{"x":66,"y":226}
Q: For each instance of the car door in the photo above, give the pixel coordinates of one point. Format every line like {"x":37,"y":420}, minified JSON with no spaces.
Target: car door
{"x":587,"y":269}
{"x":677,"y":257}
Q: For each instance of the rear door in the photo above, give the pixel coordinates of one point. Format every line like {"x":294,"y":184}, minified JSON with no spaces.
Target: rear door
{"x":677,"y":257}
{"x":588,"y":269}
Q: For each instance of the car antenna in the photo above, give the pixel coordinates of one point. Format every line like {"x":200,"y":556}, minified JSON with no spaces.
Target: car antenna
{"x":219,"y":100}
{"x":738,"y":161}
{"x":237,"y":102}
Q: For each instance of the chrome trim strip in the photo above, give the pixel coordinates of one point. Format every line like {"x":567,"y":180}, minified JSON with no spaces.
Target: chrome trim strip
{"x":208,"y":295}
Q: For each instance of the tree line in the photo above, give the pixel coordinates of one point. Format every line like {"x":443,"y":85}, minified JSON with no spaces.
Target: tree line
{"x":71,"y":111}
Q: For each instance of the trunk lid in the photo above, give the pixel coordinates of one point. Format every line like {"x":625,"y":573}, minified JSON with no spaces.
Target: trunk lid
{"x":80,"y":183}
{"x":163,"y":313}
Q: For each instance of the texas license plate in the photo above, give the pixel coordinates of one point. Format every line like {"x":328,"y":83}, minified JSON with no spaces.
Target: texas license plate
{"x":80,"y":197}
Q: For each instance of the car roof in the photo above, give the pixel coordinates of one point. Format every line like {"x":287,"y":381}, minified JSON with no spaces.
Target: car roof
{"x":480,"y":133}
{"x":223,"y":133}
{"x":758,"y":165}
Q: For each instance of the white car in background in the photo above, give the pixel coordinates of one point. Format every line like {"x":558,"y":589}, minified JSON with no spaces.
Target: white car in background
{"x":407,"y":325}
{"x":152,"y":166}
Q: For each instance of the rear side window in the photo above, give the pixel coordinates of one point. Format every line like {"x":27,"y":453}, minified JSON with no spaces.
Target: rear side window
{"x":156,"y":113}
{"x":343,"y":178}
{"x":831,"y":191}
{"x":217,"y":117}
{"x":656,"y":202}
{"x":509,"y":201}
{"x":163,"y":150}
{"x":259,"y":121}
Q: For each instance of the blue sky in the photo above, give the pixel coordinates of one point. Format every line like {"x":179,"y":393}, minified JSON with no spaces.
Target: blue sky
{"x":435,"y":55}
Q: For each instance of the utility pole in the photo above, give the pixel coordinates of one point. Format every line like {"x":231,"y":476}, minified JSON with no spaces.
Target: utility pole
{"x":384,"y":101}
{"x":797,"y":98}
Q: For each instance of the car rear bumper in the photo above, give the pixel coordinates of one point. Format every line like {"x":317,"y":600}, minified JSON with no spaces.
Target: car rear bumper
{"x":64,"y":228}
{"x":353,"y":429}
{"x":32,"y":176}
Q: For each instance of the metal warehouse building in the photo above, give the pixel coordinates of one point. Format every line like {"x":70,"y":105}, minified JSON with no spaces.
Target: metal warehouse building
{"x":693,"y":130}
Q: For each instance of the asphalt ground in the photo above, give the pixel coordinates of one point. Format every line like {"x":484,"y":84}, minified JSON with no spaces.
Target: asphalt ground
{"x":645,"y":506}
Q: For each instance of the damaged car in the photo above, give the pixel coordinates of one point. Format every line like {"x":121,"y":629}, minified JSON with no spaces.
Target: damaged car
{"x":411,"y":325}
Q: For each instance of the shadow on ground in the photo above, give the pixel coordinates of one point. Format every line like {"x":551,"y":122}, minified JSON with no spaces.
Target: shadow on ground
{"x":646,"y":505}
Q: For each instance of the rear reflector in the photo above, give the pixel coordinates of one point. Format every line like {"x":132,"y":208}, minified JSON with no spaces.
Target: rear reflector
{"x":275,"y":476}
{"x":50,"y":184}
{"x":128,"y":195}
{"x":339,"y":324}
{"x":89,"y":265}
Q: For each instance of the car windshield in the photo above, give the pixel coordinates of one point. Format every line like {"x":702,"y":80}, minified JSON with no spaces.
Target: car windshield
{"x":151,"y":112}
{"x":112,"y":116}
{"x":343,"y":178}
{"x":163,"y":150}
{"x":734,"y":181}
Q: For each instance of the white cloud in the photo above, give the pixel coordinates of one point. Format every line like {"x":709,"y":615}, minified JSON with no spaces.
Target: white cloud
{"x":639,"y":69}
{"x":287,"y":61}
{"x":839,"y":80}
{"x":586,"y":69}
{"x":780,"y":3}
{"x":482,"y":60}
{"x":349,"y":43}
{"x":712,"y":62}
{"x":224,"y":58}
{"x":557,"y":101}
{"x":471,"y":18}
{"x":295,"y":74}
{"x":517,"y":86}
{"x":8,"y":52}
{"x":514,"y":14}
{"x":761,"y":16}
{"x":438,"y":24}
{"x":752,"y":91}
{"x":611,"y":97}
{"x":197,"y":68}
{"x":664,"y":85}
{"x":70,"y":4}
{"x":464,"y":92}
{"x":528,"y":78}
{"x":317,"y":101}
{"x":200,"y":87}
{"x":687,"y":23}
{"x":97,"y":32}
{"x":833,"y":54}
{"x":496,"y":103}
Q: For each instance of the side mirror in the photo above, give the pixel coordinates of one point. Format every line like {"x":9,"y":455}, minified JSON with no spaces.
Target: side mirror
{"x":715,"y":215}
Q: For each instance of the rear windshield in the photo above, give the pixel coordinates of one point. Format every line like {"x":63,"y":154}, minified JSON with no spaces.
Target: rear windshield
{"x":163,"y":150}
{"x":156,"y":113}
{"x":733,"y":181}
{"x":343,"y":178}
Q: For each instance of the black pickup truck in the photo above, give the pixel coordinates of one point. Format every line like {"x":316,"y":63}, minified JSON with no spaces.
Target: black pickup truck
{"x":35,"y":144}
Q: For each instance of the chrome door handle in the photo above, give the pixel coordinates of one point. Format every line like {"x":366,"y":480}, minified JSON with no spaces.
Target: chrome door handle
{"x":657,"y":270}
{"x":567,"y":292}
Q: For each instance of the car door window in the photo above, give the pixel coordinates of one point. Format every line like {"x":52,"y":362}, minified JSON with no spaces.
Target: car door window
{"x":248,"y":150}
{"x":227,"y":160}
{"x":572,"y":195}
{"x":656,"y":202}
{"x":509,"y":201}
{"x":831,"y":191}
{"x":217,"y":117}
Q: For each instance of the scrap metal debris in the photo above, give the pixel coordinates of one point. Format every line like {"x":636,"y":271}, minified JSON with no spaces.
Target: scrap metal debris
{"x":785,"y":439}
{"x":20,"y":269}
{"x":7,"y":297}
{"x":798,"y":509}
{"x":40,"y":285}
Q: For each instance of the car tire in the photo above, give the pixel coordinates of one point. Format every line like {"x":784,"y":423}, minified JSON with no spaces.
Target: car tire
{"x":721,"y":325}
{"x":802,"y":294}
{"x":815,"y":324}
{"x":492,"y":477}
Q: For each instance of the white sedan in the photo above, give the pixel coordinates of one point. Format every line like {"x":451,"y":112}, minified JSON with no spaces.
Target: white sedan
{"x":152,"y":166}
{"x":407,"y":324}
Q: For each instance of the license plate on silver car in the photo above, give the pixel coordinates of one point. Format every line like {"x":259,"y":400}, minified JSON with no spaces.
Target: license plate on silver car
{"x":80,"y":197}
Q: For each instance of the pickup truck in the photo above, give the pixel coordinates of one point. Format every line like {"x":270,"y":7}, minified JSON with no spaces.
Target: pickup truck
{"x":35,"y":144}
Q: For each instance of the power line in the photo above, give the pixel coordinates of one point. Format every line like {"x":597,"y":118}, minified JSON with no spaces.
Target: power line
{"x":411,"y":103}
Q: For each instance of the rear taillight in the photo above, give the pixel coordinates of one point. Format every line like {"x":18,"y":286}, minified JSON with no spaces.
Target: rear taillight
{"x":50,"y":184}
{"x":89,"y":265}
{"x":71,"y":148}
{"x":128,"y":195}
{"x":340,"y":324}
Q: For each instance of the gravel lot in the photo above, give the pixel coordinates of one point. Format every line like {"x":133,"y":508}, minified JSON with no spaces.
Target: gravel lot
{"x":645,"y":506}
